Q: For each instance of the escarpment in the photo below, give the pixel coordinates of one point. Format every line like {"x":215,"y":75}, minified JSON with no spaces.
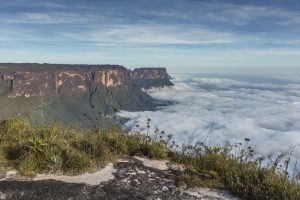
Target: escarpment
{"x":44,"y":79}
{"x":66,"y":92}
{"x":151,"y":77}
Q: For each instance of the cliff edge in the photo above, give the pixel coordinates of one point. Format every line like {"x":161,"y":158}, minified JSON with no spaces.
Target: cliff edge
{"x":66,"y":92}
{"x":151,"y":77}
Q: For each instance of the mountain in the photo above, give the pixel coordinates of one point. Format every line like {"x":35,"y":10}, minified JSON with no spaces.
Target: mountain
{"x":151,"y":77}
{"x":74,"y":93}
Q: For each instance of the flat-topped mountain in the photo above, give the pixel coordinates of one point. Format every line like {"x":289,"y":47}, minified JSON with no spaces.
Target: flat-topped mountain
{"x":45,"y":79}
{"x":56,"y":79}
{"x":151,"y":77}
{"x":62,"y":91}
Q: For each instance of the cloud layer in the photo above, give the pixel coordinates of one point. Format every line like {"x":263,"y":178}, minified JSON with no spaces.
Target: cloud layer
{"x":266,"y":110}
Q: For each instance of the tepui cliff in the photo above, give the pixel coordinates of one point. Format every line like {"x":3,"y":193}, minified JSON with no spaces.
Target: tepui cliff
{"x":49,"y":89}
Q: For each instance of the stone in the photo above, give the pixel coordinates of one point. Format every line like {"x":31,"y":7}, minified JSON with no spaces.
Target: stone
{"x":153,"y":184}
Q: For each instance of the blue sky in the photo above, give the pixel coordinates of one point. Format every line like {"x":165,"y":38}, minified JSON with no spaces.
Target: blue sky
{"x":183,"y":35}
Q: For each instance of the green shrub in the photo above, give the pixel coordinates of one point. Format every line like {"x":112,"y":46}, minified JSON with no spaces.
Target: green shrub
{"x":74,"y":162}
{"x":28,"y":167}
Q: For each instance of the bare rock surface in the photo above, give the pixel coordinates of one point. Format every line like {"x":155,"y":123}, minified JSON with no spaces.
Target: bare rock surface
{"x":131,"y":180}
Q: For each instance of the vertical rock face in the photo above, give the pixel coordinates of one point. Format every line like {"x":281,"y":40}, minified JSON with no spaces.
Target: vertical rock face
{"x":66,"y":92}
{"x":151,"y":77}
{"x":28,"y":80}
{"x":18,"y":80}
{"x":149,"y":73}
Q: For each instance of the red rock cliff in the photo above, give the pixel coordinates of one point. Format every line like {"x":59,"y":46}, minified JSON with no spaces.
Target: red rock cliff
{"x":151,"y":77}
{"x":45,"y":79}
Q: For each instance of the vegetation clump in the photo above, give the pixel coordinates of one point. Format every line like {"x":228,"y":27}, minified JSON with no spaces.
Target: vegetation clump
{"x":61,"y":148}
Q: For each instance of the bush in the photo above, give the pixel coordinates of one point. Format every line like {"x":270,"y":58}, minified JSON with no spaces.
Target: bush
{"x":74,"y":162}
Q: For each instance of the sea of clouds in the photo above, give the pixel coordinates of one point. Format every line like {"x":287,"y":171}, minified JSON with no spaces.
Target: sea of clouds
{"x":264,"y":109}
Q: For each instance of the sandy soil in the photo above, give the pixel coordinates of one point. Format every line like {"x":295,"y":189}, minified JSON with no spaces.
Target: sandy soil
{"x":156,"y":164}
{"x":96,"y":178}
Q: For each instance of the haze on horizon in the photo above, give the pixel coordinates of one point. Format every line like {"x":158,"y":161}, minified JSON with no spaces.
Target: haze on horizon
{"x":185,"y":36}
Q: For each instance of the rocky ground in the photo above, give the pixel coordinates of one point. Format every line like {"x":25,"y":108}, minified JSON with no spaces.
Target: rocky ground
{"x":133,"y":178}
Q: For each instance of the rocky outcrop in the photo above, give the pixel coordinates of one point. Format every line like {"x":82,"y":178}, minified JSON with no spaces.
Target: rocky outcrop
{"x":131,"y":179}
{"x":151,"y":77}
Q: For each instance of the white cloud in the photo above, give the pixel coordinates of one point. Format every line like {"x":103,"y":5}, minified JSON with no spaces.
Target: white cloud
{"x":42,"y":18}
{"x":229,"y":13}
{"x":268,"y":113}
{"x":49,"y":5}
{"x":154,"y":34}
{"x":180,"y":23}
{"x":245,"y":14}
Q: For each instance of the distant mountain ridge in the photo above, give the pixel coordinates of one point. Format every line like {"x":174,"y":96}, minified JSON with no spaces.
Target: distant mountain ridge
{"x":151,"y":77}
{"x":62,"y":91}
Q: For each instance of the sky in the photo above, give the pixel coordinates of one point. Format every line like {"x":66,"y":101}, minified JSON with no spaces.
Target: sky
{"x":182,"y":35}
